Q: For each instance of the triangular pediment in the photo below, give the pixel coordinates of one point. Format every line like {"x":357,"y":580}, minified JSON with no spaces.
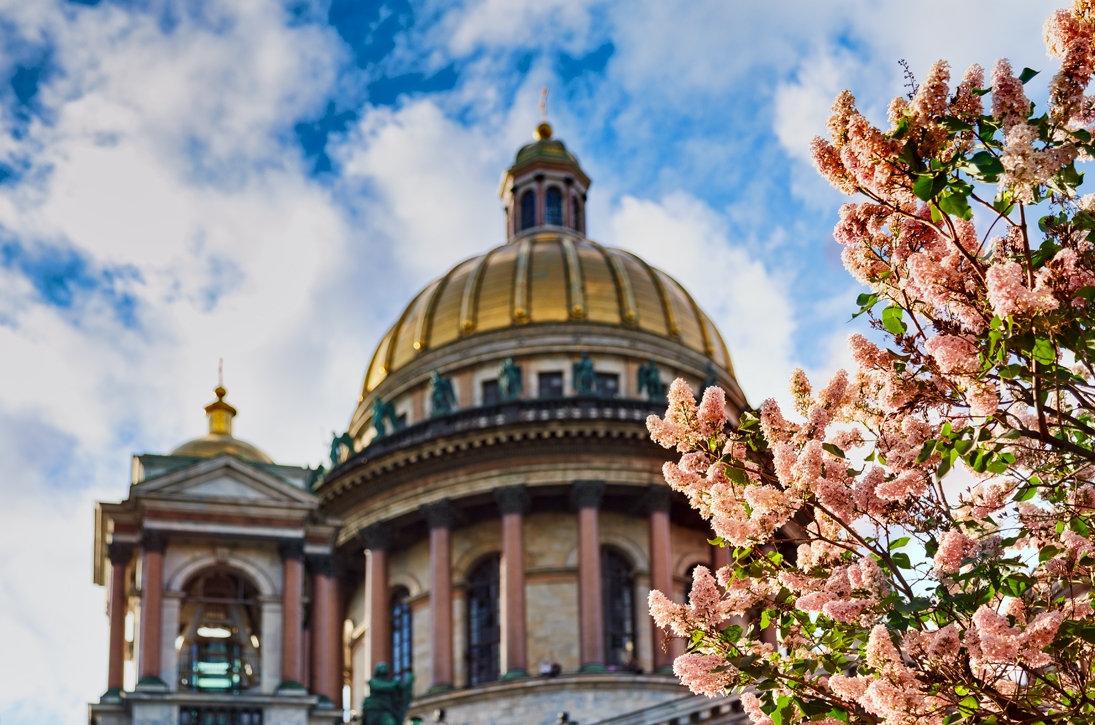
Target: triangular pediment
{"x":225,"y":479}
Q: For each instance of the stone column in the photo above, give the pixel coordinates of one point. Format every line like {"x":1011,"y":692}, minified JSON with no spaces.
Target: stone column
{"x":325,"y":681}
{"x":659,"y":498}
{"x":153,"y":545}
{"x":568,"y":205}
{"x":377,"y":541}
{"x":169,"y":659}
{"x":513,"y":503}
{"x":292,"y":614}
{"x":120,"y":555}
{"x":720,"y":557}
{"x":586,"y":497}
{"x":273,"y":635}
{"x":440,"y":517}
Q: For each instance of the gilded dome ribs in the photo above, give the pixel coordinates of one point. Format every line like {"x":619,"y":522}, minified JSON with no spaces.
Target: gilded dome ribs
{"x":521,"y":282}
{"x":469,"y":303}
{"x":425,"y":321}
{"x":624,"y":291}
{"x":576,"y":297}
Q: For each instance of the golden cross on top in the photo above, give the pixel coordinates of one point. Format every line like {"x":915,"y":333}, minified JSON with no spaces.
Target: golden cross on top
{"x":220,"y":373}
{"x":543,"y":104}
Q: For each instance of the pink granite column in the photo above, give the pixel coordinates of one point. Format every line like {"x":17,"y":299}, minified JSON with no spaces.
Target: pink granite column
{"x":586,"y":497}
{"x":120,"y":555}
{"x":568,"y":205}
{"x":325,"y":681}
{"x":513,"y":504}
{"x":440,"y":517}
{"x":659,"y":500}
{"x":151,"y":608}
{"x":377,"y":540}
{"x":292,"y":612}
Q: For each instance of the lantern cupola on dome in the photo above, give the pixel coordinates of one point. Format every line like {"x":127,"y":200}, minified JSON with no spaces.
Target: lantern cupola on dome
{"x":220,"y":441}
{"x":545,"y":186}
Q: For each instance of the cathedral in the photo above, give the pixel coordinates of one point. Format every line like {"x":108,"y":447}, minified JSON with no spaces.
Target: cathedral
{"x":488,"y":527}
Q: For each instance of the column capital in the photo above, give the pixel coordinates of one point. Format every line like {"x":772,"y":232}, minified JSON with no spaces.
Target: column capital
{"x":512,"y":499}
{"x":376,"y":536}
{"x":587,"y":494}
{"x":291,"y":549}
{"x":440,"y":515}
{"x":153,"y":541}
{"x":321,"y":564}
{"x":119,"y":553}
{"x":658,"y":498}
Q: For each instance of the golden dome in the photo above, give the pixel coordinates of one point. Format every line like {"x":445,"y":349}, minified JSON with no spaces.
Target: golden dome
{"x":219,"y":441}
{"x":546,"y":277}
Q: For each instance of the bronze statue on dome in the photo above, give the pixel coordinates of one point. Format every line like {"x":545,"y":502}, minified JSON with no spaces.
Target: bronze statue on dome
{"x":389,"y":697}
{"x":510,"y":384}
{"x":342,"y":447}
{"x":651,"y":381}
{"x":383,"y":412}
{"x":442,"y":396}
{"x":585,"y":378}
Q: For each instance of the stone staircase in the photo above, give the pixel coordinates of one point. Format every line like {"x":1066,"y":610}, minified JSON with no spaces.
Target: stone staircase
{"x":690,"y":709}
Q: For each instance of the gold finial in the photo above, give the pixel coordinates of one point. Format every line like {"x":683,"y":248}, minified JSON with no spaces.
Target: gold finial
{"x":543,"y":131}
{"x":220,"y":413}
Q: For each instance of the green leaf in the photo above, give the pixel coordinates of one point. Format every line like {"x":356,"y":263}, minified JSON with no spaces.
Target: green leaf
{"x":898,"y":543}
{"x":1025,"y":493}
{"x":1027,"y":74}
{"x":901,"y":559}
{"x":926,"y":451}
{"x":765,"y":619}
{"x":954,"y":125}
{"x":833,"y":449}
{"x":784,"y":714}
{"x":987,"y":164}
{"x":956,"y":205}
{"x":891,"y":320}
{"x":1047,"y":553}
{"x":981,"y":91}
{"x":922,"y":187}
{"x":1043,"y":351}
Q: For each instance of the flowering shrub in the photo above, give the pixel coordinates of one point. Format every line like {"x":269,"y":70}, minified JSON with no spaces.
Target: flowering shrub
{"x":865,"y":585}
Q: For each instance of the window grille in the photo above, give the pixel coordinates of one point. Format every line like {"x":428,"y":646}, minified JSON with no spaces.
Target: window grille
{"x":492,"y":395}
{"x":553,"y":213}
{"x":528,"y":210}
{"x":551,"y":385}
{"x":608,"y":385}
{"x":484,"y":632}
{"x":619,"y":609}
{"x":402,"y":635}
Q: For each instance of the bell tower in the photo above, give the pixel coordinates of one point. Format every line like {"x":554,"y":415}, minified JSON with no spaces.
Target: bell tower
{"x":545,"y":187}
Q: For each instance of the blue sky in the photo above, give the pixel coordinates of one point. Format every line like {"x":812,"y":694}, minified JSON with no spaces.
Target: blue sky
{"x":270,"y":181}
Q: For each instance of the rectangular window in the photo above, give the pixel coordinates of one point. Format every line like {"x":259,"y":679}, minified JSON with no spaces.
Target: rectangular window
{"x":551,"y":385}
{"x":491,"y":394}
{"x":608,"y":385}
{"x":401,"y":421}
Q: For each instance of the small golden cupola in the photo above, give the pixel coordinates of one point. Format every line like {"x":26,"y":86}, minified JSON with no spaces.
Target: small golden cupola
{"x":219,"y":441}
{"x":545,"y":187}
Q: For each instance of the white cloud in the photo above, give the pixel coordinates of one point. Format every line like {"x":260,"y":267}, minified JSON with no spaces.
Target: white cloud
{"x":751,"y":305}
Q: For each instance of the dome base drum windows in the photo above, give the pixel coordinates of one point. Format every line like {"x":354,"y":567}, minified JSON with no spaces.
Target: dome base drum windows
{"x":484,"y":627}
{"x":617,"y":585}
{"x":402,"y":634}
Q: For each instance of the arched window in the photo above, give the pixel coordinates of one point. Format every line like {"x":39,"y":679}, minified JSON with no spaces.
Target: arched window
{"x":528,"y":210}
{"x":219,"y":636}
{"x":554,"y":207}
{"x":616,"y":584}
{"x":484,"y":632}
{"x":402,"y":637}
{"x":576,"y":214}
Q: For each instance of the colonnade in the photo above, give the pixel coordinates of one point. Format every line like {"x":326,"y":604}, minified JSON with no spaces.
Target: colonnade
{"x":313,"y":656}
{"x":513,"y":503}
